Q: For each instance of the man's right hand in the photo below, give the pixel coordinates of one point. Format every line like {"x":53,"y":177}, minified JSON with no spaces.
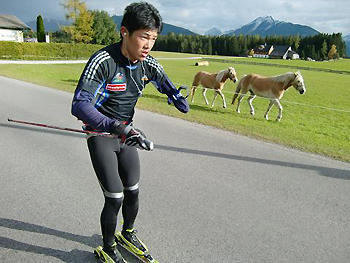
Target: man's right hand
{"x":131,"y":136}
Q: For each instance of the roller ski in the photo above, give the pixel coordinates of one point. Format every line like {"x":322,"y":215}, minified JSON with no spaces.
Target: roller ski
{"x":134,"y":245}
{"x":109,"y":255}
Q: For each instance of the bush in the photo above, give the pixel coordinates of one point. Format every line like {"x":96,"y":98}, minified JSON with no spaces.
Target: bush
{"x":46,"y":51}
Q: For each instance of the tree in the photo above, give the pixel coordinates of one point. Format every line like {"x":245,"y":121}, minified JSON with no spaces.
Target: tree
{"x":81,"y":28}
{"x":29,"y":33}
{"x":235,"y":46}
{"x":296,"y":42}
{"x":60,"y":37}
{"x":40,"y":29}
{"x":105,"y":29}
{"x":313,"y":52}
{"x":72,"y":7}
{"x":210,"y":46}
{"x":332,"y":52}
{"x":324,"y":50}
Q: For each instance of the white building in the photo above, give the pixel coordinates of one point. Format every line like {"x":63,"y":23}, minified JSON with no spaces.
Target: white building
{"x":275,"y":51}
{"x":11,"y":28}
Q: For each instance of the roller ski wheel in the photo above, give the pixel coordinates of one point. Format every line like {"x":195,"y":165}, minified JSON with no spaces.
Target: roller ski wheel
{"x":104,"y":257}
{"x":142,"y":254}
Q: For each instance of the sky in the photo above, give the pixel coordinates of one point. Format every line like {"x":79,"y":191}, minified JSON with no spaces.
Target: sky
{"x":326,"y":16}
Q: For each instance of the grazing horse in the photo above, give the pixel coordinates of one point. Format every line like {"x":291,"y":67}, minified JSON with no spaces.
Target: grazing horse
{"x":213,"y":81}
{"x":272,"y":88}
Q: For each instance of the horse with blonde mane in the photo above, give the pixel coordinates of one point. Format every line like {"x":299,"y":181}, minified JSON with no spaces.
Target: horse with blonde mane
{"x":272,"y":88}
{"x":213,"y":81}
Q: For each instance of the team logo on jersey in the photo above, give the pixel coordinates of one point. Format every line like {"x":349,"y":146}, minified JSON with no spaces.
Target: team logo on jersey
{"x":116,"y":87}
{"x":118,"y":78}
{"x":117,"y":83}
{"x":132,"y":67}
{"x":144,"y":78}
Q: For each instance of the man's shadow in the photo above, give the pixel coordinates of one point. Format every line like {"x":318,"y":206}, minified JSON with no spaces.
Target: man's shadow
{"x":73,"y":256}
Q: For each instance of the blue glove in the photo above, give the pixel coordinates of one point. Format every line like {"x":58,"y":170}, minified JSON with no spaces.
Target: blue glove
{"x":179,"y":101}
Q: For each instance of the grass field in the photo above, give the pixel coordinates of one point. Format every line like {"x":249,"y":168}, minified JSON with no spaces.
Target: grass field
{"x":317,"y":121}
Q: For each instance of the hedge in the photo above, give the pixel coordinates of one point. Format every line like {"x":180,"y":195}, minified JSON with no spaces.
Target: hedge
{"x":46,"y":51}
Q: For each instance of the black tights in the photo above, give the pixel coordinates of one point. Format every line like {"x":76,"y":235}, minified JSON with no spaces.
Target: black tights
{"x":118,"y":171}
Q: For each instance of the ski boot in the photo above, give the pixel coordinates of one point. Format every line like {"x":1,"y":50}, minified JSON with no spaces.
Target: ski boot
{"x":128,"y":240}
{"x":109,"y":255}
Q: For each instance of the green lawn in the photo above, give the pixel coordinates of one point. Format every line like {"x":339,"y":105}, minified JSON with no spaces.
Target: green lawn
{"x":317,"y":121}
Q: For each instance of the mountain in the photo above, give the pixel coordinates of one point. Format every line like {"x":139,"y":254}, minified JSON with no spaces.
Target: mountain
{"x":264,"y":26}
{"x":347,"y":43}
{"x":213,"y":32}
{"x":50,"y":25}
{"x":53,"y":25}
{"x":167,"y":28}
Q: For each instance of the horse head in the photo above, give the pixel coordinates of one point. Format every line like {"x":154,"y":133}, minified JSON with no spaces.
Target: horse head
{"x":298,"y":82}
{"x":231,"y":74}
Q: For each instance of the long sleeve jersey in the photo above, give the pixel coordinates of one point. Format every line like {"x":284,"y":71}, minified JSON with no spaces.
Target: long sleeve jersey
{"x":110,"y":86}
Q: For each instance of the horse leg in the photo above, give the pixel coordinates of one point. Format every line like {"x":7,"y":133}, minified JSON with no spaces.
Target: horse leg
{"x":280,"y":109}
{"x":268,"y":109}
{"x":250,"y":100}
{"x":215,"y":95}
{"x":205,"y":98}
{"x":193,"y":90}
{"x":223,"y":98}
{"x":239,"y":102}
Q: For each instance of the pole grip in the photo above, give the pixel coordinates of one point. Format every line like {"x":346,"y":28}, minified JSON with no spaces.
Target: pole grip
{"x":147,"y":145}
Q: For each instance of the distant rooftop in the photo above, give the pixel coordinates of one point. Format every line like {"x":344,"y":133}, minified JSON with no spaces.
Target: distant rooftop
{"x":11,"y":22}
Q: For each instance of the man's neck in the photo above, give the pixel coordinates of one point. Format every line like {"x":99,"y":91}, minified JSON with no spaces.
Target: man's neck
{"x":125,"y":53}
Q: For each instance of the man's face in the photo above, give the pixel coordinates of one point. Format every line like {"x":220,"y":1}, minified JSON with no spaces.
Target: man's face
{"x":140,"y":43}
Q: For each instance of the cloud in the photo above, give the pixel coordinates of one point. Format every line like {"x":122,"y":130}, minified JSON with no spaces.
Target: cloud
{"x":323,"y":15}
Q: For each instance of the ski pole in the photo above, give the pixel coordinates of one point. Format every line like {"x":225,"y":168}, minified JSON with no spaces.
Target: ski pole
{"x":147,"y":145}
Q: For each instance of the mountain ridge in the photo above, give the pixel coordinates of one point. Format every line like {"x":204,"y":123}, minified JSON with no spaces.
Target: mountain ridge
{"x":50,"y":25}
{"x":264,"y":26}
{"x":347,"y":43}
{"x":167,"y":28}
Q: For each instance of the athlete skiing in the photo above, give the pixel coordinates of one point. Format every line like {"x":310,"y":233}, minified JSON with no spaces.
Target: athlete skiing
{"x":109,"y":87}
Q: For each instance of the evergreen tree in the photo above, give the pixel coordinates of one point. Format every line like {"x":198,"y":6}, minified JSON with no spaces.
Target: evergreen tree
{"x":235,"y":46}
{"x":296,"y":43}
{"x":40,"y":29}
{"x":324,"y":50}
{"x":313,"y":52}
{"x":210,"y":46}
{"x":309,"y":46}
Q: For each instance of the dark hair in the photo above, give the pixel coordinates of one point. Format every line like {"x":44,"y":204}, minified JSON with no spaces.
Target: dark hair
{"x":142,"y":15}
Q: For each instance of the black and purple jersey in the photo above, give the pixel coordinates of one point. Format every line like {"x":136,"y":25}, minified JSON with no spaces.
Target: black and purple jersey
{"x":110,"y":86}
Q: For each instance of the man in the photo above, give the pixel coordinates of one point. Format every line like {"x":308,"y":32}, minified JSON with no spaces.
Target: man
{"x":105,"y":97}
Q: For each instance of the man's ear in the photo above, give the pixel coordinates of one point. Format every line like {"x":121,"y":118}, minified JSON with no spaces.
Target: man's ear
{"x":124,"y":31}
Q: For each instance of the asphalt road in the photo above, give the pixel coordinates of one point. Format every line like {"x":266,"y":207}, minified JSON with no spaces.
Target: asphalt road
{"x":206,"y":195}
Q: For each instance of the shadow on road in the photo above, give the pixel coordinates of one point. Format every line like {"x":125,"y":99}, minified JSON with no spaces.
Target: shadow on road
{"x":324,"y":171}
{"x":73,"y":256}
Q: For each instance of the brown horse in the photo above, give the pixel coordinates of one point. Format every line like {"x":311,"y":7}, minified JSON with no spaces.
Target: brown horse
{"x":272,"y":88}
{"x":213,"y":81}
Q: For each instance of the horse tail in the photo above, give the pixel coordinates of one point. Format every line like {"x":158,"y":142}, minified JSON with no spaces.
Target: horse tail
{"x":238,"y":89}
